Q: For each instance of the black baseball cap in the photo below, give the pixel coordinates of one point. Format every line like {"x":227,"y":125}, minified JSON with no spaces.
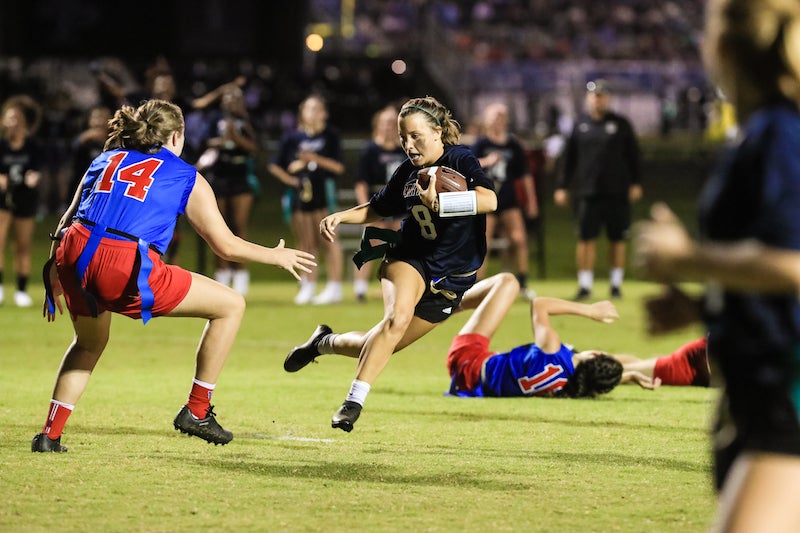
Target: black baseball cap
{"x":598,"y":86}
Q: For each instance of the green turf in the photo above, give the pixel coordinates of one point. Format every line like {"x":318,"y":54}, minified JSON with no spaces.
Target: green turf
{"x":631,"y":461}
{"x":417,"y":460}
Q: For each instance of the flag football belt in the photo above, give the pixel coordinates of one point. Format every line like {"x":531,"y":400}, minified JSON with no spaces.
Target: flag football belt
{"x":368,"y":252}
{"x":447,"y":293}
{"x":98,"y":232}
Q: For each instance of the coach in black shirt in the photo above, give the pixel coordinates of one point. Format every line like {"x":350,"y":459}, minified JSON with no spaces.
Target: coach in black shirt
{"x":601,"y":169}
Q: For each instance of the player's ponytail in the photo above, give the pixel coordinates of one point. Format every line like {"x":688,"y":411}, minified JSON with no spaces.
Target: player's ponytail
{"x":146,"y":128}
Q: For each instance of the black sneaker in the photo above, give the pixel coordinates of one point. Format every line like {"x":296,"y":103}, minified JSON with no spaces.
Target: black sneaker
{"x":43,"y":443}
{"x":346,"y":416}
{"x":583,"y":294}
{"x":616,"y":292}
{"x":206,"y":428}
{"x":300,"y":356}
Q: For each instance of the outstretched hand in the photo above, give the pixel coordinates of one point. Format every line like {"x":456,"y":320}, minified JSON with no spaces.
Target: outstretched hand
{"x":645,"y":382}
{"x":328,"y":225}
{"x":671,"y":310}
{"x":293,"y":260}
{"x":604,"y":311}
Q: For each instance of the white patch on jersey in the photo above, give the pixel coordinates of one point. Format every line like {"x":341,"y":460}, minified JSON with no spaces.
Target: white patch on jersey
{"x":611,"y":128}
{"x":410,"y":190}
{"x":583,"y":127}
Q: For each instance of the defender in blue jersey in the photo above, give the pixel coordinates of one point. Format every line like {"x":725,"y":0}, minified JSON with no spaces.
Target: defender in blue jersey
{"x":106,"y":258}
{"x":749,"y":255}
{"x":425,"y":272}
{"x":547,"y":367}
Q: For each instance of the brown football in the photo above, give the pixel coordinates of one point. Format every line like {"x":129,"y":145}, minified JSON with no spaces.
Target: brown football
{"x":447,"y":179}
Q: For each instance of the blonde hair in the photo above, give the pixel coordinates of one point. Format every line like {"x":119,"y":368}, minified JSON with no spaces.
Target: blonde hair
{"x":437,"y":115}
{"x":146,"y":128}
{"x":752,"y":48}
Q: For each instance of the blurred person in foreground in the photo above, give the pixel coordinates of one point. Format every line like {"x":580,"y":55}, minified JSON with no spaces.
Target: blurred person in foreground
{"x":748,"y":256}
{"x":106,"y":258}
{"x":601,"y":170}
{"x":378,"y":161}
{"x":433,"y":261}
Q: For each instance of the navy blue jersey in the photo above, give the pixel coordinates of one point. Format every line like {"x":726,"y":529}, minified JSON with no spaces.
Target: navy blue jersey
{"x":20,"y":199}
{"x":234,"y":163}
{"x":525,"y":371}
{"x":312,"y":192}
{"x":755,"y":194}
{"x":137,"y":193}
{"x":512,"y":166}
{"x":445,"y":246}
{"x":377,"y":165}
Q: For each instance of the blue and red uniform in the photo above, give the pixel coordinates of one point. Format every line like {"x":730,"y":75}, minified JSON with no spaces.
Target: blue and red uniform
{"x":755,"y":337}
{"x":523,"y":371}
{"x":109,"y":258}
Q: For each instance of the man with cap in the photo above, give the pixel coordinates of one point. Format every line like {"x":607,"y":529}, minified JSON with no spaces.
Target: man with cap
{"x":601,"y":170}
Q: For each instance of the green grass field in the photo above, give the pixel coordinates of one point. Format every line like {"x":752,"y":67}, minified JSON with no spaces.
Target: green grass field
{"x":417,"y":460}
{"x":631,"y":461}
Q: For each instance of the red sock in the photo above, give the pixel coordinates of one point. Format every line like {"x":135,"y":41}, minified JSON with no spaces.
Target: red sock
{"x":687,"y":366}
{"x":56,"y":418}
{"x":200,"y":398}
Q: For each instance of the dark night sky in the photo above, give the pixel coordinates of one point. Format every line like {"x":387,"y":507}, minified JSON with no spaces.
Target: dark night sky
{"x":146,"y":28}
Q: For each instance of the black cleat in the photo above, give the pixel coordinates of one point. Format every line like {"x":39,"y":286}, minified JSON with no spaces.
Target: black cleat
{"x":300,"y":356}
{"x":206,"y":428}
{"x":43,"y":443}
{"x":583,"y":294}
{"x":346,"y":416}
{"x":616,"y":292}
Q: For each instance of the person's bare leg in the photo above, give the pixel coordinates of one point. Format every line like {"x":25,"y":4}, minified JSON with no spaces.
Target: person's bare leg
{"x":491,"y":298}
{"x":402,"y":288}
{"x":761,"y":495}
{"x":224,"y":308}
{"x":514,"y":224}
{"x":91,"y":337}
{"x":491,"y":226}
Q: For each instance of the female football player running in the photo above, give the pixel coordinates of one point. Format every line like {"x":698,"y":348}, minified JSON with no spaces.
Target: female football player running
{"x":425,"y":274}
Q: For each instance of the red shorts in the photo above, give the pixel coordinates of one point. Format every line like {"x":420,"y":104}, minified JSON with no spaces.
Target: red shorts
{"x":686,"y":366}
{"x":111,"y":277}
{"x":465,"y":359}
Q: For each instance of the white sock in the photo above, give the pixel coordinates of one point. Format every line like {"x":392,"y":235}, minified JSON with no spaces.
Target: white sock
{"x":358,"y":392}
{"x":241,"y":281}
{"x":360,"y":286}
{"x":325,"y":345}
{"x":616,"y":276}
{"x":223,"y":275}
{"x":585,"y":279}
{"x":334,"y":287}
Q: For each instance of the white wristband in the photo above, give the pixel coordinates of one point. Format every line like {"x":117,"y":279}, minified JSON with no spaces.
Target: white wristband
{"x":458,"y":204}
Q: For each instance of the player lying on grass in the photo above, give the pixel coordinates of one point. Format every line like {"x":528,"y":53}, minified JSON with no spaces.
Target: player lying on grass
{"x":547,"y":367}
